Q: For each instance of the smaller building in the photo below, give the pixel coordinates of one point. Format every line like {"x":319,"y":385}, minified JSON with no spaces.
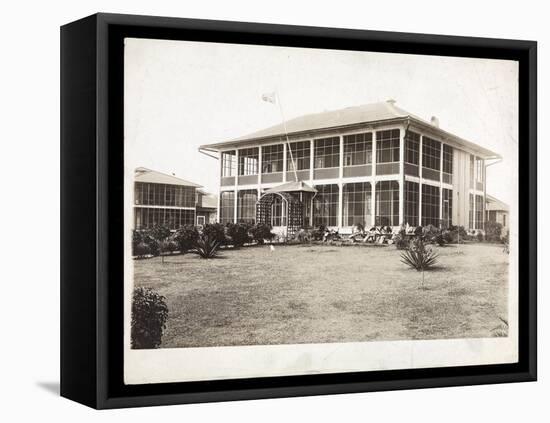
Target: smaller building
{"x":207,"y":208}
{"x":497,"y":211}
{"x":165,"y":200}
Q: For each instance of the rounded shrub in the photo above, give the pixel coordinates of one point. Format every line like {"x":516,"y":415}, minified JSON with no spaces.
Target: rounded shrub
{"x":149,"y":314}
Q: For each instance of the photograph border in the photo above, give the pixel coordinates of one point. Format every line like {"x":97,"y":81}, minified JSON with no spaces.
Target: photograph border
{"x":92,"y":164}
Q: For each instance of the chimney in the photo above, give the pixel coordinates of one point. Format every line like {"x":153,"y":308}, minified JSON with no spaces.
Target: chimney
{"x":434,"y":121}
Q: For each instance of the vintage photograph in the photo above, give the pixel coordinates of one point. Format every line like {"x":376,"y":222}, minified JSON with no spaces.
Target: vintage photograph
{"x":316,"y":210}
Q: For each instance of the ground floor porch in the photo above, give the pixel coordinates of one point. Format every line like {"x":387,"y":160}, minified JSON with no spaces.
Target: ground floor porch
{"x":345,"y":204}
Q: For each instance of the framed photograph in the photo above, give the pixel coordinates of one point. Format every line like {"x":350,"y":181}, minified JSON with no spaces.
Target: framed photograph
{"x":257,"y":211}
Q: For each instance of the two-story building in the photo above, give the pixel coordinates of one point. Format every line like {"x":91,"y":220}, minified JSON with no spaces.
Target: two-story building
{"x":374,"y":164}
{"x":165,"y":200}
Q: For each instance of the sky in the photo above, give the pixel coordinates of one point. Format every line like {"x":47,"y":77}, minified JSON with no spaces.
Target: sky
{"x":180,"y":95}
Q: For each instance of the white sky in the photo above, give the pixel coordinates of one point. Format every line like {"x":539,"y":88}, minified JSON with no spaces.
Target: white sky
{"x":179,"y":95}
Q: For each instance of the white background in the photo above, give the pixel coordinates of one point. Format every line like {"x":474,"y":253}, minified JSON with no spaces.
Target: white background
{"x":29,"y":175}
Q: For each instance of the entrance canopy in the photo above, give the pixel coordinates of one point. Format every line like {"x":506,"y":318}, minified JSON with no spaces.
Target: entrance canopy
{"x":283,"y":206}
{"x":293,"y":186}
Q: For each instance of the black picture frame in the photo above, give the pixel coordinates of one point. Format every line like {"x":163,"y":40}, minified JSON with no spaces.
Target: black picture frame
{"x":92,"y":210}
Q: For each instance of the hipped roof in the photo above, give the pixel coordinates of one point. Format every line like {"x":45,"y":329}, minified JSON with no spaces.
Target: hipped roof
{"x":379,"y":113}
{"x":143,"y":174}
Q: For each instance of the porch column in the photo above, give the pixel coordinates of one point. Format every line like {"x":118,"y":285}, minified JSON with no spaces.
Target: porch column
{"x":284,"y":162}
{"x":311,"y":160}
{"x":259,"y":166}
{"x":236,"y":189}
{"x":219,"y":216}
{"x":340,"y":205}
{"x":401,"y":175}
{"x":441,"y":186}
{"x":420,"y":182}
{"x":341,"y":184}
{"x":373,"y":182}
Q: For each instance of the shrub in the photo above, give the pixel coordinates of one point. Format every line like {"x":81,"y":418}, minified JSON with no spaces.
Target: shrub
{"x":430,"y":230}
{"x":141,"y":250}
{"x":493,"y":231}
{"x":238,"y":233}
{"x":206,"y":247}
{"x":261,"y":232}
{"x":215,"y":231}
{"x":418,"y":257}
{"x":149,"y":314}
{"x":400,"y":240}
{"x":447,"y":236}
{"x":137,"y":239}
{"x":479,"y":236}
{"x":171,"y":246}
{"x":319,"y":232}
{"x":153,"y":244}
{"x":303,"y":235}
{"x":159,"y":233}
{"x":458,"y":233}
{"x":439,"y":239}
{"x":185,"y":238}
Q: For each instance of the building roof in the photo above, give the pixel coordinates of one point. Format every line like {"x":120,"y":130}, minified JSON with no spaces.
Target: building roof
{"x":291,"y":187}
{"x":209,"y":201}
{"x":495,"y":204}
{"x":143,"y":174}
{"x":381,"y":112}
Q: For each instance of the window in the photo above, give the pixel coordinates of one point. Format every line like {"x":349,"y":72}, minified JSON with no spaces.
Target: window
{"x":248,"y":161}
{"x":479,"y":170}
{"x":357,"y":149}
{"x":246,"y":205}
{"x":164,"y":195}
{"x":387,"y":146}
{"x":278,"y":212}
{"x":387,"y":203}
{"x":227,"y":206}
{"x":430,"y":205}
{"x":411,"y":203}
{"x":229,"y":163}
{"x":479,"y":212}
{"x":447,"y":159}
{"x":504,"y":220}
{"x":431,"y":153}
{"x":471,"y":173}
{"x":272,"y":158}
{"x":356,"y":206}
{"x":301,"y":155}
{"x":173,"y":219}
{"x":447,"y":207}
{"x":327,"y":152}
{"x":325,"y":205}
{"x":185,"y":196}
{"x":139,"y":191}
{"x":412,"y":148}
{"x":201,"y":220}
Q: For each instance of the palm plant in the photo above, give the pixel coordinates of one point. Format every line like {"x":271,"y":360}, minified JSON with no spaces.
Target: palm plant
{"x":418,"y":257}
{"x":206,"y":247}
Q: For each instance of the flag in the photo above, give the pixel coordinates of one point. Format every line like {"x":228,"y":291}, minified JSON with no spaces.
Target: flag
{"x":270,"y":97}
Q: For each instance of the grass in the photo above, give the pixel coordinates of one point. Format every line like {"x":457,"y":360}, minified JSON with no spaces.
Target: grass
{"x":311,"y":294}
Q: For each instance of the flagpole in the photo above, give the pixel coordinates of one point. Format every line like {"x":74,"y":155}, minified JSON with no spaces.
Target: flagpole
{"x":286,"y":135}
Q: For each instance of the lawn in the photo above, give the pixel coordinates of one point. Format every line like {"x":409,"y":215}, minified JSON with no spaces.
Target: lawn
{"x":322,"y":293}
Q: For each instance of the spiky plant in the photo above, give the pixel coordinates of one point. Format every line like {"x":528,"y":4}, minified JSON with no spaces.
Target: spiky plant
{"x":206,"y":247}
{"x":418,"y":257}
